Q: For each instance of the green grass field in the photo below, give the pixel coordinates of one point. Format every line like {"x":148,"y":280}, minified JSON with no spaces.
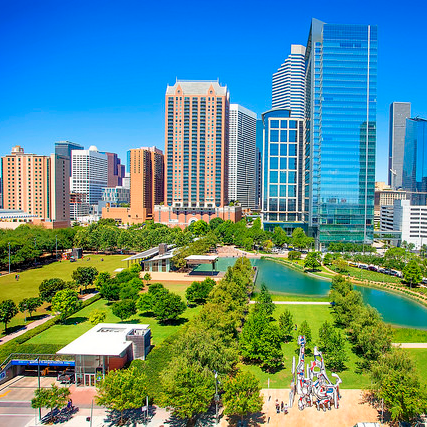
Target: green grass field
{"x":78,"y":324}
{"x":409,"y":335}
{"x":419,"y":355}
{"x":29,"y":280}
{"x":373,"y":276}
{"x":315,"y":315}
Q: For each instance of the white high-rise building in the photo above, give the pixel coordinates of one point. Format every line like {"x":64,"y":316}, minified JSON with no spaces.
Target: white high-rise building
{"x":242,"y":162}
{"x":89,"y":176}
{"x":289,"y":83}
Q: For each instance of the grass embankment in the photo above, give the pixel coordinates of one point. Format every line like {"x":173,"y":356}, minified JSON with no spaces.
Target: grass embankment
{"x":29,"y":281}
{"x":409,"y":335}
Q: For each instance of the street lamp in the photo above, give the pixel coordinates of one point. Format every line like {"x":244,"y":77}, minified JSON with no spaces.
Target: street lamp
{"x":56,"y":247}
{"x":9,"y":257}
{"x":216,"y":397}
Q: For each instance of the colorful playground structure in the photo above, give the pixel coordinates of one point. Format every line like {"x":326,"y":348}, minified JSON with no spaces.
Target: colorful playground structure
{"x":314,"y":387}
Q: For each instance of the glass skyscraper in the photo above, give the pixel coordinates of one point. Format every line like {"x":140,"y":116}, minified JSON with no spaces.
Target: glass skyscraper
{"x":282,"y":182}
{"x":341,"y":81}
{"x":414,"y":175}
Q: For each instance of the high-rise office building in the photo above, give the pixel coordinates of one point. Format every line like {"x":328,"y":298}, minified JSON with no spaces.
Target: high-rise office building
{"x":259,"y":145}
{"x":341,"y":81}
{"x":116,"y":171}
{"x":38,"y":185}
{"x":64,"y":149}
{"x":414,"y":170}
{"x":283,"y":164}
{"x":242,"y":156}
{"x":289,"y":83}
{"x":89,"y":175}
{"x":399,"y":112}
{"x":146,"y":186}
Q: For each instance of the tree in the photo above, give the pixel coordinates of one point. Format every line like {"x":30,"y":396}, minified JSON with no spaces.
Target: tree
{"x":124,"y":309}
{"x":311,"y":261}
{"x":84,"y":276}
{"x":412,"y":273}
{"x":187,"y":387}
{"x":110,"y":290}
{"x":215,"y":222}
{"x":286,"y":324}
{"x":122,"y":389}
{"x":49,"y":287}
{"x":168,"y":307}
{"x":395,"y":380}
{"x":8,"y":311}
{"x":264,"y":303}
{"x":199,"y":228}
{"x":30,"y":304}
{"x":97,"y":316}
{"x":299,"y":238}
{"x":328,"y":259}
{"x":65,"y":302}
{"x":260,"y":341}
{"x":198,"y":292}
{"x":305,"y":330}
{"x":209,"y":346}
{"x":102,"y":278}
{"x":147,"y":277}
{"x":294,"y":255}
{"x":333,"y":344}
{"x":242,"y":395}
{"x":135,"y":268}
{"x":129,"y":291}
{"x":53,"y":397}
{"x":340,"y":265}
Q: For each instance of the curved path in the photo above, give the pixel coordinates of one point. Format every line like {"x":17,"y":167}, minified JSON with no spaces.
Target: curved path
{"x":410,"y":344}
{"x":298,"y":302}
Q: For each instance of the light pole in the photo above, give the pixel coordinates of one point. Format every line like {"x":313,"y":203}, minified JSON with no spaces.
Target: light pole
{"x":35,"y":248}
{"x":56,"y":247}
{"x":38,"y":380}
{"x":9,"y":257}
{"x":216,"y":397}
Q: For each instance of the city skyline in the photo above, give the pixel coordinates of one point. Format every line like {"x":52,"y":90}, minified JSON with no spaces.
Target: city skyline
{"x":102,"y":82}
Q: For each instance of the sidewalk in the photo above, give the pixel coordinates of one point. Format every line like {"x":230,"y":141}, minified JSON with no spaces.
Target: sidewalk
{"x":298,"y":302}
{"x":410,"y":344}
{"x":34,"y":324}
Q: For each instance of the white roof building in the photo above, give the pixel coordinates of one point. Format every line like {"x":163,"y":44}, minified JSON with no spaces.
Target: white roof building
{"x":105,"y":339}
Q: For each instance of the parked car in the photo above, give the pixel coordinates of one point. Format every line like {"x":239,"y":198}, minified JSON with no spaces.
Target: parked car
{"x":66,"y":377}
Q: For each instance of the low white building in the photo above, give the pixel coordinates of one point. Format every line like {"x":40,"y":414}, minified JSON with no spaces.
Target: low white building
{"x":105,"y":347}
{"x":410,"y":220}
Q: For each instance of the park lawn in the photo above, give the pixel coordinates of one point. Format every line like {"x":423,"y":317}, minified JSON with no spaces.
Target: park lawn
{"x":373,"y":276}
{"x":409,"y":335}
{"x":78,"y":324}
{"x":315,"y":315}
{"x":29,"y":280}
{"x":419,"y":355}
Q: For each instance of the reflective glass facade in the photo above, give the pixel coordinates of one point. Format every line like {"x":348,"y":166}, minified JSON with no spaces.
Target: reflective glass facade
{"x":283,"y":152}
{"x":341,"y":81}
{"x":414,"y":175}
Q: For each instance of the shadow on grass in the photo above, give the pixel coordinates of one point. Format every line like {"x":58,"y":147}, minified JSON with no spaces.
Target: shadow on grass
{"x":12,"y":329}
{"x":75,"y":320}
{"x":253,"y":420}
{"x":36,"y":317}
{"x":175,"y":322}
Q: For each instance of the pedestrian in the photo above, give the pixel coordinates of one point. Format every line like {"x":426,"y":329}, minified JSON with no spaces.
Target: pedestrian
{"x":277,"y":407}
{"x":70,"y":405}
{"x":286,"y":409}
{"x":296,"y":327}
{"x":16,"y":277}
{"x":282,"y":406}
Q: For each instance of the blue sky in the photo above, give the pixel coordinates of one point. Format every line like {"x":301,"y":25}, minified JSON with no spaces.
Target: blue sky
{"x":95,"y":72}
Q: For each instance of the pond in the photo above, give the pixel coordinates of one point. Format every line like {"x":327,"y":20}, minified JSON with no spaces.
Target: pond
{"x":395,"y":309}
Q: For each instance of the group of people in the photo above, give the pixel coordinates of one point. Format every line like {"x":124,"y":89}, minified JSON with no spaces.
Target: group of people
{"x":282,"y":407}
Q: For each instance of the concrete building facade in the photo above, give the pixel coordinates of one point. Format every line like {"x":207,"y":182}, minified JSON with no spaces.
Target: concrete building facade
{"x":242,"y":165}
{"x":408,"y":219}
{"x":146,"y":187}
{"x":89,"y":175}
{"x":37,"y":185}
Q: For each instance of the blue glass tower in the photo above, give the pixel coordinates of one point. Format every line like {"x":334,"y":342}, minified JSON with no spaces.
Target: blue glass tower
{"x":282,"y":189}
{"x":414,"y":174}
{"x":341,"y":81}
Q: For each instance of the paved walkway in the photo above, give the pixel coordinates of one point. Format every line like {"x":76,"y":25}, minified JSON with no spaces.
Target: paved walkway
{"x":34,"y":324}
{"x":298,"y":302}
{"x":410,"y":344}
